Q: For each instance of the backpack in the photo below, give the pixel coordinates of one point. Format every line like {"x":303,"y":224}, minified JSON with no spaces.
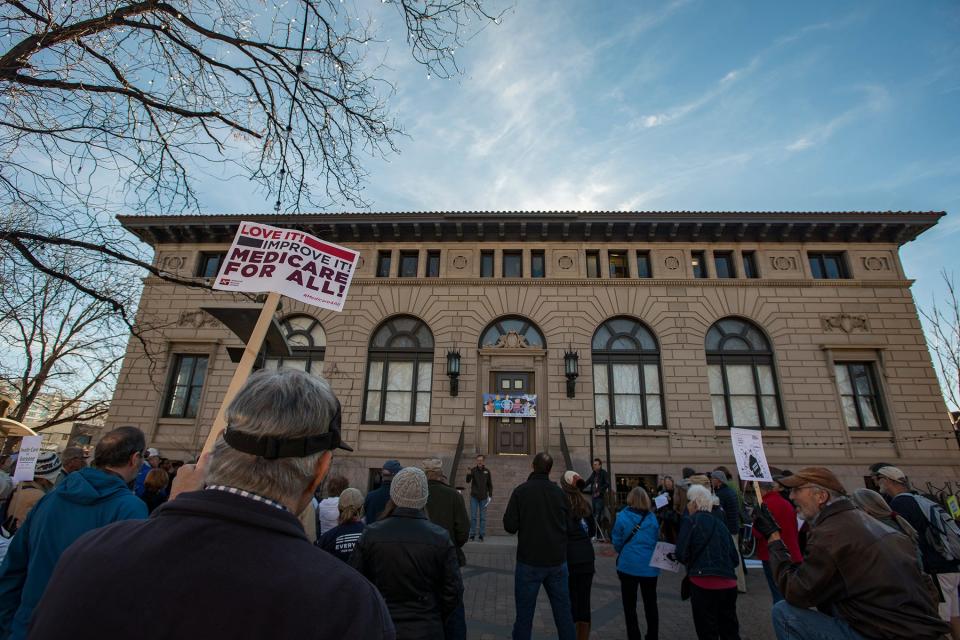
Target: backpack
{"x":942,"y":534}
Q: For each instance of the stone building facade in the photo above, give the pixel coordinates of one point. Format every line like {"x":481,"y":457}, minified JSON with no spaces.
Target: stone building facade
{"x":683,"y":324}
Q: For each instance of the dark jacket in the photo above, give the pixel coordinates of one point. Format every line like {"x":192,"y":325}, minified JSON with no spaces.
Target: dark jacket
{"x":481,"y":483}
{"x":414,"y":565}
{"x":580,"y":556}
{"x":704,"y":545}
{"x":863,"y":571}
{"x":89,"y":498}
{"x":597,"y":484}
{"x":239,"y":569}
{"x":342,"y":539}
{"x":445,"y":507}
{"x":731,"y":508}
{"x":376,"y":502}
{"x":538,"y":511}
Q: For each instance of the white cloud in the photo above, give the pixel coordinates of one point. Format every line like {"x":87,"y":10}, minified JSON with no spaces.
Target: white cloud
{"x":877,"y":99}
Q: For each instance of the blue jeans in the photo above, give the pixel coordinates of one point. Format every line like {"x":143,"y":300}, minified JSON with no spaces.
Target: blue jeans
{"x":455,"y":627}
{"x":526,"y":586}
{"x":476,"y":506}
{"x":774,"y":591}
{"x":794,"y":623}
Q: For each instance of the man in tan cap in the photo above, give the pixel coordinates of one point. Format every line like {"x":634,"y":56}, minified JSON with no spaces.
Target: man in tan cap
{"x":914,"y":508}
{"x":445,"y":507}
{"x":861,"y":571}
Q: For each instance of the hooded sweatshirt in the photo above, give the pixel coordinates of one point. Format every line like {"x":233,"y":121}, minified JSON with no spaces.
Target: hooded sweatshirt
{"x":88,"y":499}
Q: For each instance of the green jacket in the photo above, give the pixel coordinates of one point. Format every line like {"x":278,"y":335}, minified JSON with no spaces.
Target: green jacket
{"x":445,"y":507}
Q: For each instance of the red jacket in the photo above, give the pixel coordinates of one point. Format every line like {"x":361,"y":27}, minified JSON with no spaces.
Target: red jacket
{"x":786,"y":517}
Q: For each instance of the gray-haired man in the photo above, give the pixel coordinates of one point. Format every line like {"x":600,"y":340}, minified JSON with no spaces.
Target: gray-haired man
{"x":235,"y":553}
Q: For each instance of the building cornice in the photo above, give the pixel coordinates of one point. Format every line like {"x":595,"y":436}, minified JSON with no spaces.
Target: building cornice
{"x":896,"y":227}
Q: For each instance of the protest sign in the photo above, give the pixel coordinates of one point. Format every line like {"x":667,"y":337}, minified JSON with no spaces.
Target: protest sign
{"x":954,"y":506}
{"x":748,"y":450}
{"x":661,"y":501}
{"x":293,"y":263}
{"x":660,"y":558}
{"x":27,"y":458}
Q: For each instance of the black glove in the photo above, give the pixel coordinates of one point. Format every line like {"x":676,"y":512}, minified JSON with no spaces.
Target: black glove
{"x":763,"y":522}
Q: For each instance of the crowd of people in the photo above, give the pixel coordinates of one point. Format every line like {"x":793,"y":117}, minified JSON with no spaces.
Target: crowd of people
{"x":246,"y":530}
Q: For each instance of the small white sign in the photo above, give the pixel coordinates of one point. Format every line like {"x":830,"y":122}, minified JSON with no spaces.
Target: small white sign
{"x":661,"y":501}
{"x":660,"y":559}
{"x":748,"y":450}
{"x":27,"y":458}
{"x":294,"y":263}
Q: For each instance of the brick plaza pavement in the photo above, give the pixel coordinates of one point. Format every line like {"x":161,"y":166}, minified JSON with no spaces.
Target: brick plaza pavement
{"x":488,"y":597}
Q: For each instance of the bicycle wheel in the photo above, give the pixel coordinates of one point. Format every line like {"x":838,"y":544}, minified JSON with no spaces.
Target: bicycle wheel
{"x":748,"y":546}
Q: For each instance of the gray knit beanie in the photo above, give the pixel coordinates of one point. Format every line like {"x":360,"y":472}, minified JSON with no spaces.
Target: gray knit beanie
{"x":409,"y":488}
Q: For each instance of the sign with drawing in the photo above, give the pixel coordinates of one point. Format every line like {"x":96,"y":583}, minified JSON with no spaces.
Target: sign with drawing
{"x":751,"y":460}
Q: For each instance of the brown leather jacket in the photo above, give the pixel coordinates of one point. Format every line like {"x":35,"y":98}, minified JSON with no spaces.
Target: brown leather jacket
{"x":864,"y":572}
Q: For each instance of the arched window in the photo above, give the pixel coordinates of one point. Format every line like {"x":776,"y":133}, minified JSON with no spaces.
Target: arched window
{"x":743,"y":387}
{"x":626,"y":375}
{"x":512,"y":331}
{"x":399,"y":373}
{"x":307,"y":341}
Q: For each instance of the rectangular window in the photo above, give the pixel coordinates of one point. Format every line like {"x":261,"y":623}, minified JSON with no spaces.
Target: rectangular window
{"x":538,"y":262}
{"x":859,"y":395}
{"x":750,"y":265}
{"x":743,"y":394}
{"x":186,"y":383}
{"x":827,"y":266}
{"x":398,"y":391}
{"x":617,"y":264}
{"x":723,"y":264}
{"x":409,"y":261}
{"x":486,"y":264}
{"x":512,"y":264}
{"x":593,"y":264}
{"x":209,"y":264}
{"x":433,"y":264}
{"x":627,"y":394}
{"x":643,"y":265}
{"x":699,"y":264}
{"x":383,"y":264}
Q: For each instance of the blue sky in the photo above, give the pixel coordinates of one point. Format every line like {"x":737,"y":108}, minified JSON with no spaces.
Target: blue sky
{"x":683,"y":105}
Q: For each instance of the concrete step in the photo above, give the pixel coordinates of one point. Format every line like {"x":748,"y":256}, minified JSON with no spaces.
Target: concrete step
{"x":506,"y":473}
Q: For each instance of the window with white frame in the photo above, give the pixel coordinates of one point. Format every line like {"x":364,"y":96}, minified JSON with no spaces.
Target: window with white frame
{"x":308,"y":345}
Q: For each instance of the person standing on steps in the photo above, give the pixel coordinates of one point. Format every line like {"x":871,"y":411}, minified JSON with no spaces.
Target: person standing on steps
{"x":481,"y":492}
{"x":597,"y":486}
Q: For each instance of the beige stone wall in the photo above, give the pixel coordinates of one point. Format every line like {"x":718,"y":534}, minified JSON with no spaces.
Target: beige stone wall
{"x":809,"y":322}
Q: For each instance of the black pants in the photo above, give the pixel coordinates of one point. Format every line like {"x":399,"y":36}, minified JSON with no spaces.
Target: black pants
{"x":715,"y":613}
{"x":628,"y":595}
{"x":580,"y":584}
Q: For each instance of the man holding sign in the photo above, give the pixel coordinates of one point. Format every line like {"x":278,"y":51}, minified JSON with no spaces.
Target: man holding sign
{"x":861,"y":571}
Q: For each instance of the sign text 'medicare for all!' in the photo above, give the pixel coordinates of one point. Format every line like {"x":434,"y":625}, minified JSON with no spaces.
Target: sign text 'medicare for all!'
{"x":293,"y":263}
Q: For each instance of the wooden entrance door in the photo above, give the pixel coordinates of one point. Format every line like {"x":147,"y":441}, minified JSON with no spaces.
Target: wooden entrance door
{"x":513,"y":434}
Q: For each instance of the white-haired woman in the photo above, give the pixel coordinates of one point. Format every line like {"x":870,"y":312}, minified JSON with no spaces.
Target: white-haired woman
{"x":704,"y":545}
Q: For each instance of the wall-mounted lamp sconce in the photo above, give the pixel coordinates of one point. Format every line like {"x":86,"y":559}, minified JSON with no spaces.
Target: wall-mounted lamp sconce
{"x":453,"y":371}
{"x":571,"y":368}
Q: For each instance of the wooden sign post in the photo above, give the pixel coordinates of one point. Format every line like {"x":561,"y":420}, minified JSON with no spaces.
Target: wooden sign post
{"x":240,"y":376}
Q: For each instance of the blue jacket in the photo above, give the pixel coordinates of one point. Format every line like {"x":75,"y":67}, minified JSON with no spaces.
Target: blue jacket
{"x":635,"y":556}
{"x":88,"y":499}
{"x":705,"y":546}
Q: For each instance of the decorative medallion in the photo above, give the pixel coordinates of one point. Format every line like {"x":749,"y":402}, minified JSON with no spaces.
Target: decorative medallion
{"x":783,"y":263}
{"x":171,"y":262}
{"x":844,"y":322}
{"x":565,"y":262}
{"x":876,"y":263}
{"x":672,"y":263}
{"x":460,"y":262}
